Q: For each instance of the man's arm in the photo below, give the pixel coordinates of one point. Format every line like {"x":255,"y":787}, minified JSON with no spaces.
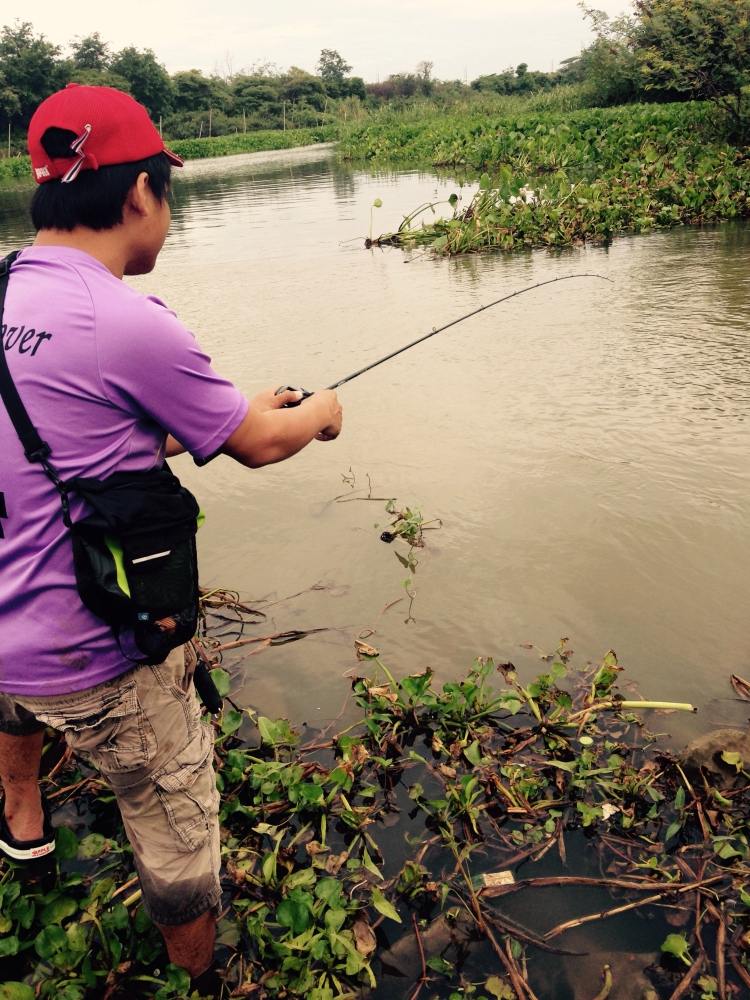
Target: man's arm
{"x":269,"y":433}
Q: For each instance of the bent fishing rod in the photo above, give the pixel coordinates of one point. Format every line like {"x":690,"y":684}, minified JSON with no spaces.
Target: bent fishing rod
{"x":433,"y":333}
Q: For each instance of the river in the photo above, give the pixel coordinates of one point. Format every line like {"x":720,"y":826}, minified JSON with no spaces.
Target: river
{"x":586,"y":447}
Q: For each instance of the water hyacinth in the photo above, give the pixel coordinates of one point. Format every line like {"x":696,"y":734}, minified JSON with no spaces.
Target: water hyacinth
{"x":562,"y":180}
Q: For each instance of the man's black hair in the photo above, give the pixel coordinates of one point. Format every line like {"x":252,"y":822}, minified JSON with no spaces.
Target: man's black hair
{"x":96,"y":197}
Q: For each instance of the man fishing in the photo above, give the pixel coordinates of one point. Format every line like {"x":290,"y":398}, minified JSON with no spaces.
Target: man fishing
{"x":112,"y":382}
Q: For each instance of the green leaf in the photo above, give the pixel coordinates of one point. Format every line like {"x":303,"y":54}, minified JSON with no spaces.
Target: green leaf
{"x":563,"y":765}
{"x":277,"y":732}
{"x":334,"y":919}
{"x":221,"y":679}
{"x":473,"y":753}
{"x":268,"y":868}
{"x":382,"y":905}
{"x":231,"y":720}
{"x":178,"y":979}
{"x":116,"y":919}
{"x":441,"y":965}
{"x":586,"y":741}
{"x":499,"y":989}
{"x":672,"y":830}
{"x":679,"y":799}
{"x":370,"y":865}
{"x":8,"y":946}
{"x":298,"y":879}
{"x":485,"y":183}
{"x":57,"y":910}
{"x":589,"y":814}
{"x":677,"y":945}
{"x":732,"y":758}
{"x":726,"y":852}
{"x":15,"y":991}
{"x":66,"y":843}
{"x":50,"y":941}
{"x":92,"y":845}
{"x":295,"y":912}
{"x":329,"y":890}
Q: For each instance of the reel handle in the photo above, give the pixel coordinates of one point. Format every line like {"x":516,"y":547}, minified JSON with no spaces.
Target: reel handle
{"x":295,"y":402}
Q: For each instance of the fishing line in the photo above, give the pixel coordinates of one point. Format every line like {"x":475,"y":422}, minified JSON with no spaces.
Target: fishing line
{"x":435,"y":331}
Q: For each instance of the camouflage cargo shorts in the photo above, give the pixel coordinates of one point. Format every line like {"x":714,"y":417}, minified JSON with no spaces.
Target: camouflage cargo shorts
{"x":143,"y":731}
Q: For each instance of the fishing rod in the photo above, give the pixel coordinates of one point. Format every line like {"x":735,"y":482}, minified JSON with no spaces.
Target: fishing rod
{"x":433,"y":333}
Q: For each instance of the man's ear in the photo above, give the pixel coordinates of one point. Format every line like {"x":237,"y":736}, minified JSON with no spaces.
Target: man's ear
{"x":140,"y":195}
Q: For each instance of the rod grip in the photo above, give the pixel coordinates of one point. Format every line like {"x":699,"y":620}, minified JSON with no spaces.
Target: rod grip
{"x":295,"y":402}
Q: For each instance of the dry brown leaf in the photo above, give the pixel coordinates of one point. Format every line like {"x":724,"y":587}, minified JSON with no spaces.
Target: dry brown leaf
{"x":741,"y":687}
{"x":359,"y":753}
{"x":383,"y":692}
{"x":336,"y":862}
{"x":364,"y":937}
{"x":446,"y":771}
{"x":364,"y":650}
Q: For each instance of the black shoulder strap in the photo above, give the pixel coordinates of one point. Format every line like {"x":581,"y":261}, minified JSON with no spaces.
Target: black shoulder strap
{"x":34,"y":448}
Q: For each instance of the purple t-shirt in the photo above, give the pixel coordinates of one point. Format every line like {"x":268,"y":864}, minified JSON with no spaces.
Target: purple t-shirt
{"x":104,"y":373}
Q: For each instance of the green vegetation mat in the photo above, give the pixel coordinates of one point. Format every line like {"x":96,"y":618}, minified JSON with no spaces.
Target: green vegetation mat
{"x":455,"y":837}
{"x":557,"y":180}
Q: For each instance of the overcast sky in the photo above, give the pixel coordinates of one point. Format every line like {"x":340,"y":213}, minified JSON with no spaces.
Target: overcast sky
{"x":461,"y":39}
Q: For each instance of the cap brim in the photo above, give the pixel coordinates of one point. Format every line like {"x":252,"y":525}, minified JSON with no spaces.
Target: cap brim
{"x":173,"y":158}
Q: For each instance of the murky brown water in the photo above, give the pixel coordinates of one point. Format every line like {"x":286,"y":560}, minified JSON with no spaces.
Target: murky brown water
{"x":587,"y":447}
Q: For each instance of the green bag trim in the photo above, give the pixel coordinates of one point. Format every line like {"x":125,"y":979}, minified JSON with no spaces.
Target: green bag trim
{"x":118,"y":559}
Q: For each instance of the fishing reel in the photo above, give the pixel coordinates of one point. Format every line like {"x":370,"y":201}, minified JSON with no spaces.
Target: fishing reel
{"x":295,"y":402}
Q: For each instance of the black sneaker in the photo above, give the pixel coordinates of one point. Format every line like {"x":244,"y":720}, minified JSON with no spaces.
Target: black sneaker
{"x":27,"y":850}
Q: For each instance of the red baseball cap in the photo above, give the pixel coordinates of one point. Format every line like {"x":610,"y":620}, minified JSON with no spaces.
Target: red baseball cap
{"x":110,"y":126}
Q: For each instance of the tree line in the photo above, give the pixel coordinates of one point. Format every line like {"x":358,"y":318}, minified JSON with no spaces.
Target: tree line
{"x":663,"y":50}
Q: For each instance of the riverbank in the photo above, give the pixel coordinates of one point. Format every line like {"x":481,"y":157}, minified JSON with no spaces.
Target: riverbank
{"x":16,"y":171}
{"x":371,"y":862}
{"x":559,"y":180}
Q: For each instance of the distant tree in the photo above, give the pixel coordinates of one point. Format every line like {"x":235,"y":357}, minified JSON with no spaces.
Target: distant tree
{"x":424,"y":73}
{"x":94,"y":77}
{"x":192,"y":91}
{"x":149,"y":81}
{"x":609,"y":66}
{"x":298,"y":85}
{"x":498,"y":83}
{"x":10,"y":105}
{"x":698,"y":48}
{"x":30,"y":71}
{"x":262,"y":67}
{"x":90,"y":52}
{"x":256,"y":95}
{"x":354,"y":86}
{"x":333,"y":69}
